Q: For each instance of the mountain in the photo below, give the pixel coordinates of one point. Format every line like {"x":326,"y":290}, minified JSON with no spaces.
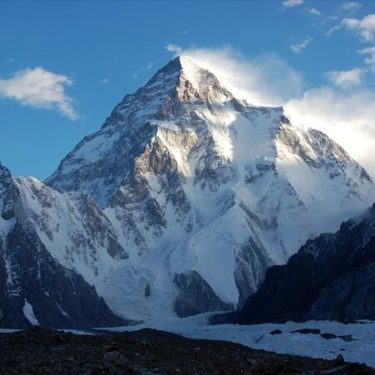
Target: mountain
{"x":186,"y":195}
{"x":207,"y":191}
{"x":35,"y":288}
{"x":330,"y":278}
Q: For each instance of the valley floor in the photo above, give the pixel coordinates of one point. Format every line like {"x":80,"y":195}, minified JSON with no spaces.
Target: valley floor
{"x":148,"y":351}
{"x":317,"y":339}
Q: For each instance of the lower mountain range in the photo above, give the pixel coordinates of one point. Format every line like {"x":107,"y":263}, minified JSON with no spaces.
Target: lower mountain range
{"x":332,"y":277}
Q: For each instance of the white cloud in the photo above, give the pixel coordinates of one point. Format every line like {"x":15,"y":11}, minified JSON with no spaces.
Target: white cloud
{"x":39,"y":88}
{"x":264,"y":80}
{"x":351,"y":5}
{"x":104,"y":81}
{"x":364,"y":27}
{"x":346,"y":78}
{"x":369,"y":54}
{"x":347,"y":117}
{"x":300,"y":46}
{"x":173,"y":48}
{"x":333,"y":29}
{"x":291,"y":3}
{"x":314,"y":11}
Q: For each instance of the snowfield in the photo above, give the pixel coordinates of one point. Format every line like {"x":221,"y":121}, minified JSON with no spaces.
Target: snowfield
{"x":360,"y":349}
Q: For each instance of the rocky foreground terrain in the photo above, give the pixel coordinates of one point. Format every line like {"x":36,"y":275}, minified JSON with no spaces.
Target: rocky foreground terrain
{"x":43,"y":351}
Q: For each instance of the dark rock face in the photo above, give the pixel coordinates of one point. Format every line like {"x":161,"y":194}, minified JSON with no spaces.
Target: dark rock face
{"x":351,"y":297}
{"x":331,"y":277}
{"x":58,"y":297}
{"x":7,"y":191}
{"x":196,"y":296}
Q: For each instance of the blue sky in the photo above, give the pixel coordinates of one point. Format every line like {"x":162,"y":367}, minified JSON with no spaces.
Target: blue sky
{"x":65,"y":65}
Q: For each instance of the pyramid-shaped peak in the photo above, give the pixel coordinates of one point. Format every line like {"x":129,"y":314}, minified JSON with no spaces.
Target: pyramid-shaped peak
{"x":181,"y":63}
{"x":192,"y":81}
{"x":177,"y":71}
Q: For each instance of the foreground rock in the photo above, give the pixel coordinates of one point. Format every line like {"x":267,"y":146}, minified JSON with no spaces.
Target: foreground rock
{"x":148,"y":351}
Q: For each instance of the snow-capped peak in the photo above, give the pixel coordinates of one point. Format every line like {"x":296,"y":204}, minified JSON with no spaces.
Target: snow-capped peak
{"x":183,"y":79}
{"x":206,"y":190}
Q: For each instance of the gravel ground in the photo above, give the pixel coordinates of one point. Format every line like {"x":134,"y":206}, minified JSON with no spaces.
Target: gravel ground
{"x":42,"y":351}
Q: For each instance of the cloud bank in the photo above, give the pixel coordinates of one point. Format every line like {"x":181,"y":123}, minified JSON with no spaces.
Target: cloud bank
{"x":40,"y":88}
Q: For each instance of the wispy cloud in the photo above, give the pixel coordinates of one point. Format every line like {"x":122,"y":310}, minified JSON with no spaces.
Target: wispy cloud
{"x":369,"y":54}
{"x":364,"y":27}
{"x":351,"y":6}
{"x":346,"y":78}
{"x":333,"y":29}
{"x":291,"y":3}
{"x":173,"y":48}
{"x":300,"y":46}
{"x":104,"y":81}
{"x":39,"y":88}
{"x":314,"y":11}
{"x":149,"y":65}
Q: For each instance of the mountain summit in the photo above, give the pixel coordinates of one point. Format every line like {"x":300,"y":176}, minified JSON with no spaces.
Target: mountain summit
{"x":207,"y":190}
{"x":186,"y":195}
{"x":133,"y":123}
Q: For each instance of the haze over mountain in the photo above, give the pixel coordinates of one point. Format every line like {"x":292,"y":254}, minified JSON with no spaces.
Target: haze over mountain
{"x":179,"y":203}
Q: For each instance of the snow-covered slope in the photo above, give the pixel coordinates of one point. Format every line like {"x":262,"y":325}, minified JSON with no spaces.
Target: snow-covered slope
{"x":204,"y":192}
{"x":317,"y":339}
{"x":52,"y":247}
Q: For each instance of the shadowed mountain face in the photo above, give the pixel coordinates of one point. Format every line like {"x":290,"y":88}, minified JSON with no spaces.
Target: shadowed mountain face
{"x":330,"y":278}
{"x":186,"y":195}
{"x":34,"y":287}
